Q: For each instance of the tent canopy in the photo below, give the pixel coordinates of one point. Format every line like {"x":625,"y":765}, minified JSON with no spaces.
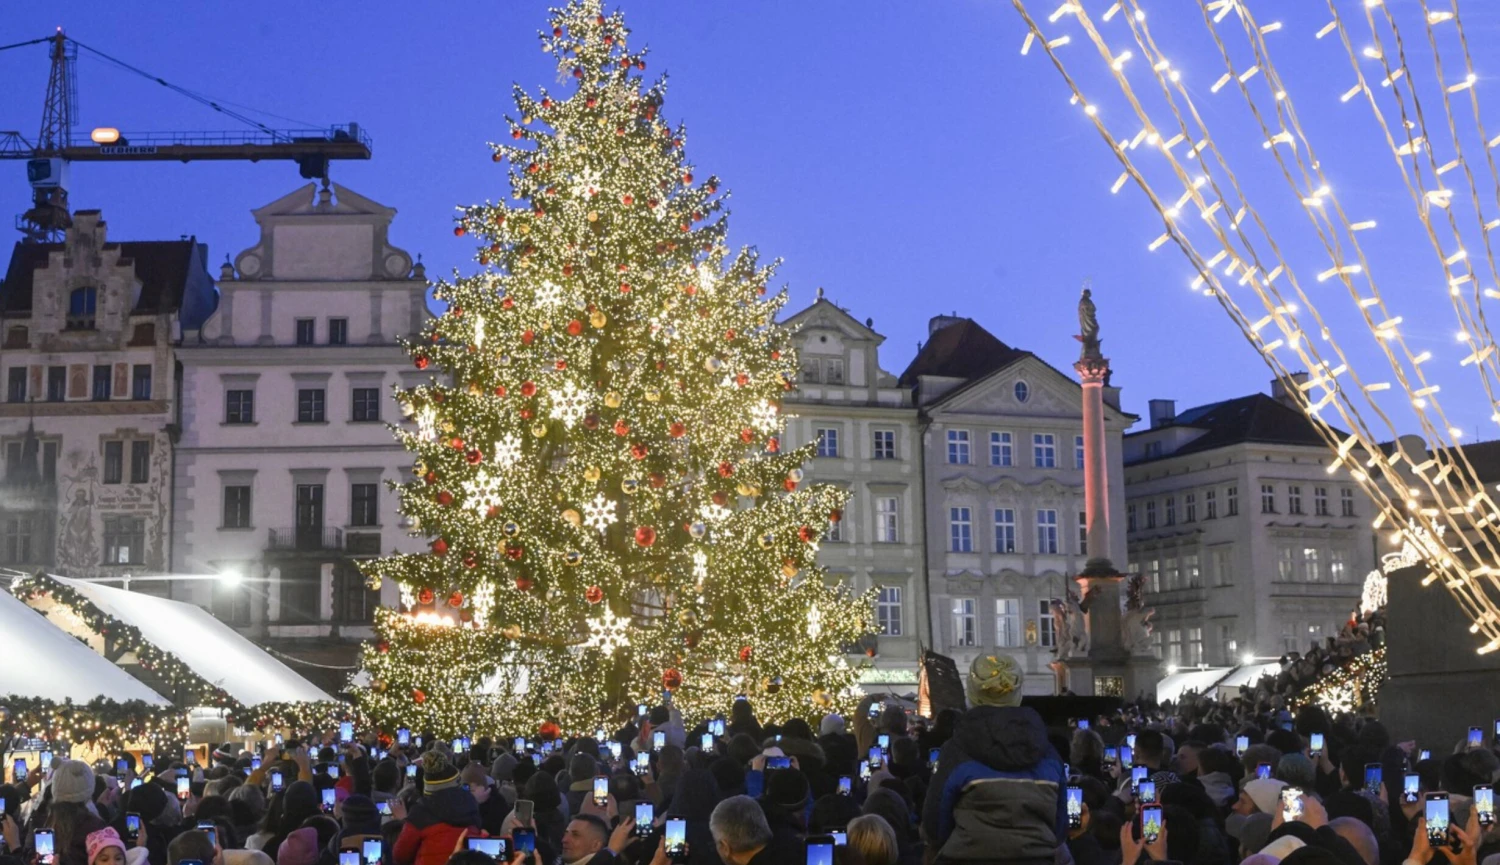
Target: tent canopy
{"x":51,"y":664}
{"x":1200,"y":680}
{"x":209,"y":647}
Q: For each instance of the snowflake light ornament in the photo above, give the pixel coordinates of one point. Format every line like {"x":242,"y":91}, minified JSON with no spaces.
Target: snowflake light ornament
{"x":483,"y":600}
{"x":700,"y":565}
{"x":586,"y":183}
{"x":478,"y":331}
{"x":765,"y":417}
{"x":714,"y":514}
{"x":569,"y":404}
{"x":599,"y":513}
{"x":608,"y":633}
{"x":708,"y":277}
{"x":549,"y":295}
{"x":483,"y":493}
{"x":427,"y":423}
{"x":814,"y":622}
{"x":659,"y":209}
{"x":408,"y":597}
{"x":508,"y":450}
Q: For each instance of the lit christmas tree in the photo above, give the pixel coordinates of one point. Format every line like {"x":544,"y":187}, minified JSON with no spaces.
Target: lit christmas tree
{"x":597,"y":455}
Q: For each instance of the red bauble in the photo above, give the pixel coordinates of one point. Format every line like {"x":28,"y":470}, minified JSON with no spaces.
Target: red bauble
{"x":575,"y":327}
{"x":624,"y":288}
{"x":556,"y":31}
{"x":425,"y":596}
{"x":527,"y":337}
{"x":560,"y":364}
{"x":440,"y":547}
{"x":549,"y":731}
{"x":567,"y":270}
{"x":523,"y":584}
{"x":806,"y":534}
{"x":591,"y":421}
{"x":444,"y":498}
{"x":671,"y":679}
{"x":688,"y":177}
{"x":639,"y":450}
{"x":458,"y":231}
{"x":747,"y":435}
{"x":677,"y":429}
{"x":456,"y":600}
{"x":418,"y":695}
{"x":500,"y":390}
{"x":775,"y":355}
{"x":421,"y":361}
{"x":835,"y":515}
{"x":789,"y":484}
{"x":475,"y":457}
{"x":691,"y":638}
{"x":528,"y":389}
{"x":382,"y":647}
{"x":456,"y":443}
{"x":741,"y":380}
{"x":745,"y":652}
{"x":627,"y":200}
{"x":657,"y":480}
{"x":508,"y":303}
{"x":645,"y":536}
{"x":720,"y":498}
{"x":622,"y":428}
{"x":773,"y":445}
{"x":729,"y":334}
{"x":430,"y":478}
{"x":577,"y":72}
{"x":514,"y":133}
{"x":593,"y":594}
{"x":726,"y":469}
{"x":514,"y":552}
{"x":470,"y":561}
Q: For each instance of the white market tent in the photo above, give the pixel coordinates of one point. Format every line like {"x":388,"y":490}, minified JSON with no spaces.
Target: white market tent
{"x":51,"y":664}
{"x":209,"y":647}
{"x":1247,"y":674}
{"x":1218,"y":682}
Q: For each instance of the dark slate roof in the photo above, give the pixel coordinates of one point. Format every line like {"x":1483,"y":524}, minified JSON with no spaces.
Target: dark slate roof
{"x":961,"y":350}
{"x":1484,"y":457}
{"x":162,"y":266}
{"x":1254,"y":418}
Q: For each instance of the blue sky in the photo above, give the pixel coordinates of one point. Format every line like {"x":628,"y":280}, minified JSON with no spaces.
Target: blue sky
{"x":901,"y":155}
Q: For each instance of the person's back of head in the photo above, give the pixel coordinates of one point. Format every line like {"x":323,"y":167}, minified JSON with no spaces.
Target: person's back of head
{"x":1150,"y":749}
{"x":1297,"y":771}
{"x":1087,"y":748}
{"x":1352,"y":762}
{"x":874,"y":839}
{"x":893,"y":720}
{"x":796,"y":728}
{"x":193,"y":844}
{"x":326,"y":827}
{"x":1258,"y":754}
{"x":670,"y":761}
{"x":470,"y":857}
{"x":1183,"y":835}
{"x":386,"y":777}
{"x":1285,"y":741}
{"x":1360,"y":837}
{"x":831,"y":812}
{"x":904,"y":753}
{"x":743,"y":748}
{"x":739,"y":825}
{"x":582,"y":767}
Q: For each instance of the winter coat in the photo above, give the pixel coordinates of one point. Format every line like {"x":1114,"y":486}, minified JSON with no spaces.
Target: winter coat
{"x":694,"y":799}
{"x":434,"y":826}
{"x":997,"y":794}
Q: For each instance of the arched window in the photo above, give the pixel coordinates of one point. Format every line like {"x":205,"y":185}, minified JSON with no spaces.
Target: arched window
{"x":1023,"y":391}
{"x":81,"y":304}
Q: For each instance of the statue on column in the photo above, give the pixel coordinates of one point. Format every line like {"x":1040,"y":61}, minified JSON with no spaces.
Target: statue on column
{"x":1135,"y":625}
{"x":1070,"y":626}
{"x":1088,"y":326}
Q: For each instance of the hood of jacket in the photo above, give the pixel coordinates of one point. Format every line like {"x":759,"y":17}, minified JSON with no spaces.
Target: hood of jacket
{"x":1009,"y":739}
{"x":454,"y":806}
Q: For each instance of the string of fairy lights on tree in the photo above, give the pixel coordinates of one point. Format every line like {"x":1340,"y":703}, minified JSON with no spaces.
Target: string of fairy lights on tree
{"x":1236,"y":248}
{"x":598,"y":453}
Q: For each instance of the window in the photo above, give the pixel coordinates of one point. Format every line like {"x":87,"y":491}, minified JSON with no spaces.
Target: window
{"x":1267,"y":498}
{"x":124,"y":540}
{"x":140,"y":381}
{"x":811,"y":370}
{"x":1153,"y":574}
{"x":1169,"y":511}
{"x":82,"y":303}
{"x":828,"y":442}
{"x":1231,"y":501}
{"x":960,"y":537}
{"x":140,"y":461}
{"x":306,"y":331}
{"x":1218,"y":563}
{"x":1294,"y":499}
{"x":1227,"y":645}
{"x":965,"y":622}
{"x":1320,"y":501}
{"x":1211,"y":504}
{"x":237,"y":507}
{"x":1046,"y":531}
{"x":1046,"y":635}
{"x":364,"y":505}
{"x":231,"y":602}
{"x":1346,"y":502}
{"x":338,"y":331}
{"x":1008,"y":622}
{"x":884,"y":444}
{"x":1044,"y":450}
{"x":1190,"y":507}
{"x":1153,"y":450}
{"x":1284,"y":565}
{"x":1338,"y":566}
{"x":1130,"y":517}
{"x":114,"y":462}
{"x":1002,"y":449}
{"x":1192,"y":574}
{"x":1174,"y":647}
{"x":239,"y":406}
{"x":1083,"y":533}
{"x":366,"y":404}
{"x":103,"y":375}
{"x":1311,"y":569}
{"x":958,"y":446}
{"x":1194,"y":646}
{"x":1169,"y":574}
{"x":835,"y":531}
{"x":49,"y":461}
{"x":1005,"y":530}
{"x":833,"y":370}
{"x":15,"y":384}
{"x":1077,"y":452}
{"x":18,"y":540}
{"x":310,"y":405}
{"x":1022,"y":391}
{"x":57,"y":383}
{"x":888,"y":520}
{"x":1151,"y":515}
{"x":888,"y":611}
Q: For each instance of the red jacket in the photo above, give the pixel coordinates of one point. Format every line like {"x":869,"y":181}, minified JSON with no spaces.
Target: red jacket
{"x":431,"y":845}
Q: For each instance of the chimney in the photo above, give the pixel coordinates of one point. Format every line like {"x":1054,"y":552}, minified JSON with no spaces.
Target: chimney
{"x":1280,"y":393}
{"x":1163,"y":412}
{"x":938,"y":322}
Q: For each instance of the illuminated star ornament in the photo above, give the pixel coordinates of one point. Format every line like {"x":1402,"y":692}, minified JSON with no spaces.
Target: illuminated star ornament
{"x":427,"y":423}
{"x":483,"y":492}
{"x":599,"y":513}
{"x":549,"y":294}
{"x":764,"y":417}
{"x":569,"y":404}
{"x":508,"y":450}
{"x":586,"y":183}
{"x":608,"y":632}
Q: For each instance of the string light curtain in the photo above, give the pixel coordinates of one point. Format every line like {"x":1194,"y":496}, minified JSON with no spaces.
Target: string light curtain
{"x":1275,"y":259}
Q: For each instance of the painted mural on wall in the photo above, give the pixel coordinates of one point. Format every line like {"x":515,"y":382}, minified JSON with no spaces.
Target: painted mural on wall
{"x":85,"y":502}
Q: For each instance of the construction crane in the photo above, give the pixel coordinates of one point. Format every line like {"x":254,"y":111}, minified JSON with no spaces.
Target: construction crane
{"x":47,"y":159}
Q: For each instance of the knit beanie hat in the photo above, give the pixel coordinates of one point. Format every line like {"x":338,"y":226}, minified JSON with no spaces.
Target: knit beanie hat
{"x":73,"y":781}
{"x":1265,"y":793}
{"x":106,"y":837}
{"x":299,"y":848}
{"x":503,"y":766}
{"x":582,"y":767}
{"x":831,"y":724}
{"x":437,"y":774}
{"x":994,"y":680}
{"x":360,"y":816}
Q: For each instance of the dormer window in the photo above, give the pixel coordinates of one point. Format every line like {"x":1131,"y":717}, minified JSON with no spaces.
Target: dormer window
{"x":833,"y":370}
{"x":82,"y":302}
{"x":811,"y":370}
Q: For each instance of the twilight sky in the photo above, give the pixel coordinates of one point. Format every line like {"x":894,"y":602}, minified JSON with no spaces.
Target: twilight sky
{"x":902,"y":155}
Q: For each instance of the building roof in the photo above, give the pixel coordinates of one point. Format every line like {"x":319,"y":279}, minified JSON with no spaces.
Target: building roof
{"x":961,"y":350}
{"x":1253,"y":418}
{"x":51,"y":664}
{"x":162,"y":266}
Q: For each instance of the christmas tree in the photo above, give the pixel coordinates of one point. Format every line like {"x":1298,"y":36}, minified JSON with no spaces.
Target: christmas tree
{"x":597,"y":453}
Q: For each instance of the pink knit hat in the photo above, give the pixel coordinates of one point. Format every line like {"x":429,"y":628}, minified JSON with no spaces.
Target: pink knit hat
{"x":106,"y":837}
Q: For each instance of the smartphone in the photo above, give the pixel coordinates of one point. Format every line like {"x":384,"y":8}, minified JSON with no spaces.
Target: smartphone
{"x":781,"y":762}
{"x":350,"y":857}
{"x":614,"y":750}
{"x":134,"y":783}
{"x":44,"y":847}
{"x":877,"y":757}
{"x":346,"y":732}
{"x":676,"y":840}
{"x":707,"y":742}
{"x":658,"y":740}
{"x":846,"y":785}
{"x":876,"y":709}
{"x":840,"y":838}
{"x":488,"y":846}
{"x":279,"y":741}
{"x":1150,"y":823}
{"x":1437,"y":819}
{"x":46,"y":761}
{"x":718,"y":727}
{"x":458,"y":746}
{"x":417,"y":742}
{"x":518,"y":744}
{"x":254,"y":763}
{"x":864,"y":770}
{"x":189,"y":758}
{"x":820,"y":850}
{"x":1083,"y":723}
{"x":147,"y":761}
{"x":642,"y":762}
{"x":403,"y":736}
{"x":1130,"y":739}
{"x":371,"y":846}
{"x":933,"y":756}
{"x":184,"y":786}
{"x":277,"y":782}
{"x":1424,"y":754}
{"x":1137,"y":775}
{"x":333,"y":771}
{"x":524,"y":840}
{"x":384,"y":807}
{"x":330,"y":796}
{"x":1075,"y":807}
{"x":1111,"y":755}
{"x":1411,"y":788}
{"x":1145,"y":790}
{"x":1241,"y":745}
{"x":1372,"y":778}
{"x":884,"y":741}
{"x":1484,"y":803}
{"x":524,"y":808}
{"x":1263,"y":770}
{"x":1476,"y":737}
{"x":645,"y":815}
{"x":132,"y":827}
{"x":18,"y":770}
{"x":122,"y":766}
{"x":601,"y":790}
{"x":1291,"y":804}
{"x":1315,"y":745}
{"x":1127,"y":755}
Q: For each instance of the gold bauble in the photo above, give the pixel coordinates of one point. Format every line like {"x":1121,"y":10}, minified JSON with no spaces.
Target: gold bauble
{"x":766,"y":541}
{"x":744,"y":489}
{"x":419,"y":468}
{"x":473,"y":388}
{"x":593,"y":216}
{"x":713,"y":364}
{"x":789,"y":570}
{"x":630,"y":485}
{"x":511,"y":632}
{"x":373,"y":582}
{"x":612,"y":399}
{"x":539,"y":429}
{"x":597,"y":318}
{"x":546,"y":325}
{"x":574,"y":518}
{"x":378,"y":686}
{"x":572,"y":558}
{"x":591,"y":474}
{"x":510,"y":528}
{"x":447,"y":426}
{"x":653,"y":395}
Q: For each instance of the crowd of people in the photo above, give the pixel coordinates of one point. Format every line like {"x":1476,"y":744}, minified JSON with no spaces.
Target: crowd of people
{"x":1363,"y":633}
{"x":991,"y":784}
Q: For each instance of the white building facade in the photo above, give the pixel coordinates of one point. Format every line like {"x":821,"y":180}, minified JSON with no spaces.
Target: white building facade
{"x":1249,"y":547}
{"x":285,"y":454}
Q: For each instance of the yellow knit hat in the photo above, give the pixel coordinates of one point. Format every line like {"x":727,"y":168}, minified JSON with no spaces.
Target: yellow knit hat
{"x":994,"y":680}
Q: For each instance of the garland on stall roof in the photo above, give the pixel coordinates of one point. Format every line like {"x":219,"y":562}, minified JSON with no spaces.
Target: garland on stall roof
{"x":314,"y":715}
{"x":101,"y":723}
{"x":1351,"y":687}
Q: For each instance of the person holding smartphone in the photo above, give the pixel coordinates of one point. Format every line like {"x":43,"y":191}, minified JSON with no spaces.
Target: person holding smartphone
{"x":435,"y":824}
{"x":70,"y":818}
{"x":589,"y":839}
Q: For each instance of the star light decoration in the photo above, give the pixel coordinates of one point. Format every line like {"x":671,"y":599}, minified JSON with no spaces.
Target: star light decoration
{"x":714,"y":514}
{"x":765,"y":417}
{"x":569,"y":404}
{"x":549,"y":295}
{"x":599,"y":512}
{"x":483,"y":492}
{"x":508,"y":450}
{"x":427,"y":420}
{"x":586,"y":183}
{"x":608,"y":632}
